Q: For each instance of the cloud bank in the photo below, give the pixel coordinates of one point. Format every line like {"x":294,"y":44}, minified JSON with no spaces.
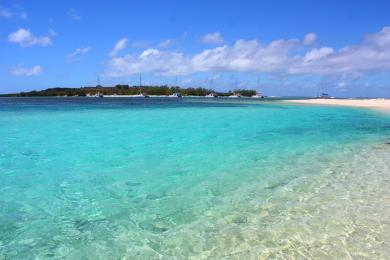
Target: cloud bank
{"x":288,"y":56}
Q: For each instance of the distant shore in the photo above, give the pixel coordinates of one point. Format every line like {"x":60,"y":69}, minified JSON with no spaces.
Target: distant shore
{"x":379,"y":103}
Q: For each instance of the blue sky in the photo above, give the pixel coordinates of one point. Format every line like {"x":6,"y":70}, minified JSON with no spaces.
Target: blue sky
{"x":279,"y":47}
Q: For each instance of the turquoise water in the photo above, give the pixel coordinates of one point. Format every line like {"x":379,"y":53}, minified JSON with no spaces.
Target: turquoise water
{"x":190,"y":178}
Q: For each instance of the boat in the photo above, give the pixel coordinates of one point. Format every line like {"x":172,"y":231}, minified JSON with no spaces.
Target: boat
{"x":98,"y":95}
{"x":323,"y":96}
{"x":143,"y":95}
{"x":176,"y":95}
{"x":235,"y":95}
{"x":212,"y":95}
{"x":258,"y":95}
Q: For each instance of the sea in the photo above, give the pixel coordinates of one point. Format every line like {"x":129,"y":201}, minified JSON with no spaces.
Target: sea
{"x":192,"y":178}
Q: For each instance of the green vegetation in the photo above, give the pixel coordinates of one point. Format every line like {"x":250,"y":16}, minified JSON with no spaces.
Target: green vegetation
{"x":126,"y":90}
{"x":246,"y":92}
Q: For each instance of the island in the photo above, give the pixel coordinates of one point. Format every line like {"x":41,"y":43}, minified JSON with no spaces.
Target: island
{"x":126,"y":90}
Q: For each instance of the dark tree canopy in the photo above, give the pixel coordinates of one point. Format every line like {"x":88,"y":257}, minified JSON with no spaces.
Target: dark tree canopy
{"x":127,"y":90}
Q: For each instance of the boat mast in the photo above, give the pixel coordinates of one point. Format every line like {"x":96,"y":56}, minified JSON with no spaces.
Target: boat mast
{"x":98,"y":80}
{"x":321,"y":89}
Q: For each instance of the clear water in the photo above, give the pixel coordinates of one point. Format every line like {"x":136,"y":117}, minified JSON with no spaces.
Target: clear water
{"x":191,"y":178}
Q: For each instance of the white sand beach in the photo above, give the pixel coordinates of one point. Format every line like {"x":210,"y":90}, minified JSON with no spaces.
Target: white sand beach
{"x":382,"y":104}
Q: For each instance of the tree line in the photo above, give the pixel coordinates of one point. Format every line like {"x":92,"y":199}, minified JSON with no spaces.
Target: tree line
{"x":128,"y":90}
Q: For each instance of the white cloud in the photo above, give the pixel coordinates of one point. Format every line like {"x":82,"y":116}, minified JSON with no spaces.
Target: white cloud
{"x":20,"y":70}
{"x":212,"y":38}
{"x":25,"y":38}
{"x":282,"y":56}
{"x":120,"y":45}
{"x":73,"y":15}
{"x":381,"y":38}
{"x":372,"y":55}
{"x":166,"y":43}
{"x":245,"y":56}
{"x":150,"y":60}
{"x":315,"y":54}
{"x":310,"y":39}
{"x":77,"y":53}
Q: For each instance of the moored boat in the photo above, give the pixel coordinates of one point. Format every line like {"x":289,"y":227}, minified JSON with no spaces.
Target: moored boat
{"x":324,"y":96}
{"x":176,"y":95}
{"x":99,"y":95}
{"x":258,"y":95}
{"x":235,"y":95}
{"x":212,"y":95}
{"x":143,"y":95}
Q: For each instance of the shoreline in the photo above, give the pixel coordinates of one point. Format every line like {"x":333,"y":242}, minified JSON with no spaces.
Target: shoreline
{"x":377,"y":104}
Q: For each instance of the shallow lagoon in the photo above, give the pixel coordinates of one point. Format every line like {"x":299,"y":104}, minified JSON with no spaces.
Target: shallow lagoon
{"x":200,"y":178}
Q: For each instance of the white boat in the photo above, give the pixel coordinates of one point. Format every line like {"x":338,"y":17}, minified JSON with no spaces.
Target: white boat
{"x":235,"y":95}
{"x":175,"y":95}
{"x":212,"y":95}
{"x":258,"y":95}
{"x":143,"y":95}
{"x":98,"y":95}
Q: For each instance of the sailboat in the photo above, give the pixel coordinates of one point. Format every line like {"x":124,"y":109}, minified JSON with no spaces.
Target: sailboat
{"x":323,"y":95}
{"x":235,"y":94}
{"x":176,"y":94}
{"x":142,"y":94}
{"x":212,"y":94}
{"x":99,"y":95}
{"x":258,"y":94}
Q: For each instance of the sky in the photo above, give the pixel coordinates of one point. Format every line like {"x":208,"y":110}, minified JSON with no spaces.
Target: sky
{"x":277,"y":47}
